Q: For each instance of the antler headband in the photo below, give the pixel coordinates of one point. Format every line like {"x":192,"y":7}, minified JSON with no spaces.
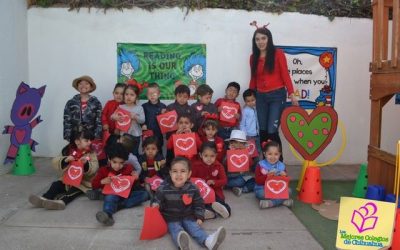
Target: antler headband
{"x":254,"y":23}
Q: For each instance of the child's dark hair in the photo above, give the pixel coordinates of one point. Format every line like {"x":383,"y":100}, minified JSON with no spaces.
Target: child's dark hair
{"x":118,"y":150}
{"x":203,"y":90}
{"x":235,"y":85}
{"x":134,"y":88}
{"x":79,"y":133}
{"x":248,"y":93}
{"x":151,"y":140}
{"x":210,"y":123}
{"x":270,"y":144}
{"x":119,"y":85}
{"x":182,"y":89}
{"x":184,"y":160}
{"x":208,"y":145}
{"x":153,"y":85}
{"x":185,"y":115}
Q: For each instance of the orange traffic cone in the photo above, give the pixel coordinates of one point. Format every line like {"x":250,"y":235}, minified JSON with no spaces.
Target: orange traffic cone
{"x":311,"y":189}
{"x":396,"y":233}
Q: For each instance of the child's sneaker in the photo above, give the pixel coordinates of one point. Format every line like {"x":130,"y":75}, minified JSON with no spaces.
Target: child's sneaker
{"x":94,"y":195}
{"x":214,"y":240}
{"x":237,"y":191}
{"x":288,"y":203}
{"x":208,"y":214}
{"x":54,"y":204}
{"x":183,"y":240}
{"x":266,"y":203}
{"x":105,"y":218}
{"x":220,"y":209}
{"x":36,"y":200}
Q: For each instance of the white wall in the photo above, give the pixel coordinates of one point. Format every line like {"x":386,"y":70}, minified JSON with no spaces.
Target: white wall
{"x":66,"y":44}
{"x":13,"y":62}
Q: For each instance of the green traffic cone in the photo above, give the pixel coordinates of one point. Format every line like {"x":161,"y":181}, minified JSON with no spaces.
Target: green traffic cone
{"x":362,"y":182}
{"x":23,"y":163}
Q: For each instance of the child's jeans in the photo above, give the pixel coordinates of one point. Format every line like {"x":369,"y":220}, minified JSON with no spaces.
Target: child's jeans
{"x":113,"y":203}
{"x":259,"y":192}
{"x":225,"y":133}
{"x":191,"y":227}
{"x":239,"y":181}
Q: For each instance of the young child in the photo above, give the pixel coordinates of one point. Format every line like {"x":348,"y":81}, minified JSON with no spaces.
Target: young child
{"x":239,"y":182}
{"x":131,"y":95}
{"x":117,"y":156}
{"x":213,"y":172}
{"x":231,"y":92}
{"x":59,"y":194}
{"x":152,"y":108}
{"x":269,"y":166}
{"x":83,"y":110}
{"x":111,"y":106}
{"x":185,"y":126}
{"x":182,"y":207}
{"x":249,"y":121}
{"x":181,"y":106}
{"x":210,"y":129}
{"x":151,"y":161}
{"x":203,"y":107}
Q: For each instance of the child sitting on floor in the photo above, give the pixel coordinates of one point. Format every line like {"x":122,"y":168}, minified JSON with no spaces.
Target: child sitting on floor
{"x":182,"y":207}
{"x":269,"y":166}
{"x":59,"y":194}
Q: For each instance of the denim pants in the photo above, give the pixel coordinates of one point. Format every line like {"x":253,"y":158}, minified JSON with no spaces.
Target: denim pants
{"x":259,"y":192}
{"x":191,"y":227}
{"x":113,"y":203}
{"x":239,"y":181}
{"x":225,"y":132}
{"x":270,"y":106}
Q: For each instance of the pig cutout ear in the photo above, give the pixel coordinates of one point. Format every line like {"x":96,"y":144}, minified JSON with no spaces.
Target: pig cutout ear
{"x":41,"y":90}
{"x":23,"y":87}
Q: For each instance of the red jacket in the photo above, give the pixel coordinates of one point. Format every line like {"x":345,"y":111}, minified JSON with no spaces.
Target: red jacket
{"x":215,"y":172}
{"x":279,"y":78}
{"x":108,"y":110}
{"x":224,"y":123}
{"x":105,"y":171}
{"x":219,"y":142}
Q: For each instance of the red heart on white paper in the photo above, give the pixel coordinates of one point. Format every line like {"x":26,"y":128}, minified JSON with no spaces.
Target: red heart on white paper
{"x":251,"y":148}
{"x":119,"y":184}
{"x":203,"y":187}
{"x":228,"y":112}
{"x":156,"y":183}
{"x":126,"y":119}
{"x":168,"y":121}
{"x":276,"y":186}
{"x":215,"y":172}
{"x":184,"y":144}
{"x":239,"y":160}
{"x":74,"y":172}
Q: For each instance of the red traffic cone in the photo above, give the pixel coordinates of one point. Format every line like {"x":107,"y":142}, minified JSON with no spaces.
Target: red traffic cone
{"x":396,"y":233}
{"x":311,"y":190}
{"x":154,"y":225}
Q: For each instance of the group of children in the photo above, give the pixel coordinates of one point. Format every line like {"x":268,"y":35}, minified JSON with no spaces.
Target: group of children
{"x":85,"y":121}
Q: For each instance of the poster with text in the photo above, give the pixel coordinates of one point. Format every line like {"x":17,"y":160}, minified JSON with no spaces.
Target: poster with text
{"x":169,"y":65}
{"x":313,"y":73}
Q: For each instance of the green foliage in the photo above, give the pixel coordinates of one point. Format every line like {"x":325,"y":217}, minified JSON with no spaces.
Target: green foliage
{"x":328,"y":8}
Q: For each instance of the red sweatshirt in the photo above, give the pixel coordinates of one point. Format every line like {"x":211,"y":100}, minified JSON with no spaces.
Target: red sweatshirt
{"x":108,"y":110}
{"x":215,"y":172}
{"x":224,"y":123}
{"x":105,"y":171}
{"x":279,"y":78}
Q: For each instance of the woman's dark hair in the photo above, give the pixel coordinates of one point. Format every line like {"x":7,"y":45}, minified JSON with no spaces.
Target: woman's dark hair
{"x":151,"y":140}
{"x":270,"y":144}
{"x":270,"y":57}
{"x":208,"y":145}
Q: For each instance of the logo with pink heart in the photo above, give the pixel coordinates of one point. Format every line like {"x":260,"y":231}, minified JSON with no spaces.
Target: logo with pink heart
{"x":74,"y":172}
{"x":168,"y":121}
{"x":184,"y":144}
{"x":276,"y":186}
{"x":364,"y":218}
{"x":239,"y":160}
{"x":119,"y":184}
{"x":228,"y":112}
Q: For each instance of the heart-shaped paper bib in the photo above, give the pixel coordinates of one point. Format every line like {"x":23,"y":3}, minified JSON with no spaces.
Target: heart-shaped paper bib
{"x":311,"y":133}
{"x":184,"y":144}
{"x":120,"y":185}
{"x":206,"y":192}
{"x":154,"y":182}
{"x":238,"y":160}
{"x":125,"y":124}
{"x":167,"y":121}
{"x":74,"y":174}
{"x":276,"y":187}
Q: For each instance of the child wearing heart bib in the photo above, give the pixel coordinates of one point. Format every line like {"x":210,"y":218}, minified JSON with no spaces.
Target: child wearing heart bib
{"x":111,"y":106}
{"x":210,"y":129}
{"x":213,"y":172}
{"x":131,"y":95}
{"x":182,"y":207}
{"x":117,"y":156}
{"x":269,"y":166}
{"x":60,"y":194}
{"x":203,"y":107}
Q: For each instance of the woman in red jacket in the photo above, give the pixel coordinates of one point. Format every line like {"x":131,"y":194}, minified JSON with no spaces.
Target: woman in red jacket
{"x":271,"y":81}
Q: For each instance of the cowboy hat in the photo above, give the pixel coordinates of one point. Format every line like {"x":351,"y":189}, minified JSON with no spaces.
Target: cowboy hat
{"x":237,"y":135}
{"x":84,"y":78}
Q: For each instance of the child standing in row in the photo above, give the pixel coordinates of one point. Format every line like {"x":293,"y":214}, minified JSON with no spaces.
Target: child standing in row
{"x":182,"y":207}
{"x":249,"y":121}
{"x":111,"y":106}
{"x":131,"y":95}
{"x":117,"y":155}
{"x":269,"y":166}
{"x":59,"y":194}
{"x":152,"y":108}
{"x":213,"y":172}
{"x":203,"y":107}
